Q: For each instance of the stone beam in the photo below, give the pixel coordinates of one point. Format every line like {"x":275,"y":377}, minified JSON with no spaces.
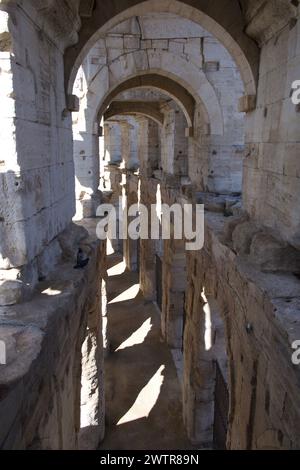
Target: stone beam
{"x":222,"y":18}
{"x":177,"y":92}
{"x":146,"y":108}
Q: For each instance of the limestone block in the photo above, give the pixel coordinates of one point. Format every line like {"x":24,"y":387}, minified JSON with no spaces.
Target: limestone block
{"x":270,"y":18}
{"x":146,"y":44}
{"x":230,"y":224}
{"x":176,"y":47}
{"x":272,"y":255}
{"x":24,"y":84}
{"x":193,"y":49}
{"x":10,"y":292}
{"x":152,"y":27}
{"x":213,"y":51}
{"x":160,"y":44}
{"x":23,"y":346}
{"x":49,"y":258}
{"x":155,"y":58}
{"x":131,"y":42}
{"x":70,"y":240}
{"x":291,"y":166}
{"x":114,"y":42}
{"x":242,"y":237}
{"x":140,"y":60}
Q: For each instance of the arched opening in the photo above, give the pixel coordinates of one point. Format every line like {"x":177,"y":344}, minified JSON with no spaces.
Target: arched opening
{"x":215,"y":128}
{"x":175,"y":103}
{"x":166,"y":124}
{"x":205,"y":16}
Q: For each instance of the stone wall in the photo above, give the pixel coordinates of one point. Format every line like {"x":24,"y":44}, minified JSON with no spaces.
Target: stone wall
{"x":258,"y":312}
{"x":271,"y":168}
{"x":40,"y":387}
{"x":36,"y":169}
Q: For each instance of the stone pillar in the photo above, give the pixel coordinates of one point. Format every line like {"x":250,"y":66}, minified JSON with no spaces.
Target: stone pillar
{"x":134,"y":162}
{"x":198,"y":379}
{"x":131,"y":246}
{"x":168,"y":141}
{"x":113,"y":142}
{"x":147,"y":247}
{"x":92,"y":422}
{"x":125,"y":143}
{"x":204,"y":344}
{"x":117,"y":180}
{"x":174,"y":292}
{"x":181,"y":145}
{"x":87,"y":173}
{"x":154,"y":146}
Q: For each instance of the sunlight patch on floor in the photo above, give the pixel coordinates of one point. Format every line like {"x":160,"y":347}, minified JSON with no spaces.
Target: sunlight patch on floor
{"x":52,"y":292}
{"x":146,"y":399}
{"x":138,"y":337}
{"x":116,"y":270}
{"x":128,"y":294}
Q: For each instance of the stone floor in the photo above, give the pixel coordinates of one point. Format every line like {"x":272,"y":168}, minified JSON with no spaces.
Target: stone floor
{"x":143,"y":394}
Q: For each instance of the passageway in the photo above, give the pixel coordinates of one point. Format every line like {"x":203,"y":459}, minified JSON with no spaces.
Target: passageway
{"x":174,"y":123}
{"x":143,"y":393}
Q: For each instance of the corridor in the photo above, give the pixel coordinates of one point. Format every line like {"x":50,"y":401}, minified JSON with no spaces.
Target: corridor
{"x":143,"y":394}
{"x":173,"y":126}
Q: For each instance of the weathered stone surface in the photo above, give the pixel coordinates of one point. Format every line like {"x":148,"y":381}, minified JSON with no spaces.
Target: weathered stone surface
{"x":41,"y":380}
{"x":242,"y":236}
{"x":272,"y":255}
{"x":10,"y":292}
{"x":245,"y":296}
{"x":70,"y":240}
{"x":235,"y":302}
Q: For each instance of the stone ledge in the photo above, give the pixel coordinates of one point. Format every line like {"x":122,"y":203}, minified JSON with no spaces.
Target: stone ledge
{"x":280,"y":289}
{"x":42,"y":337}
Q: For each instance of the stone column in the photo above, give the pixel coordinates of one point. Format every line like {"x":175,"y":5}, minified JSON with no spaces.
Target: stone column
{"x":174,"y":292}
{"x":92,"y":422}
{"x":168,"y":141}
{"x":147,"y":247}
{"x":131,"y":246}
{"x":87,"y":172}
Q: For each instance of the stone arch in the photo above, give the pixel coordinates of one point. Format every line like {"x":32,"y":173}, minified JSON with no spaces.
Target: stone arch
{"x":130,"y":71}
{"x":153,"y":80}
{"x":190,"y":87}
{"x":150,"y":110}
{"x":227,"y":26}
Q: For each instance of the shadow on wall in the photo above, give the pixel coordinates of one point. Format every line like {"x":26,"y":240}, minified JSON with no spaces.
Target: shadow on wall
{"x":36,"y":170}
